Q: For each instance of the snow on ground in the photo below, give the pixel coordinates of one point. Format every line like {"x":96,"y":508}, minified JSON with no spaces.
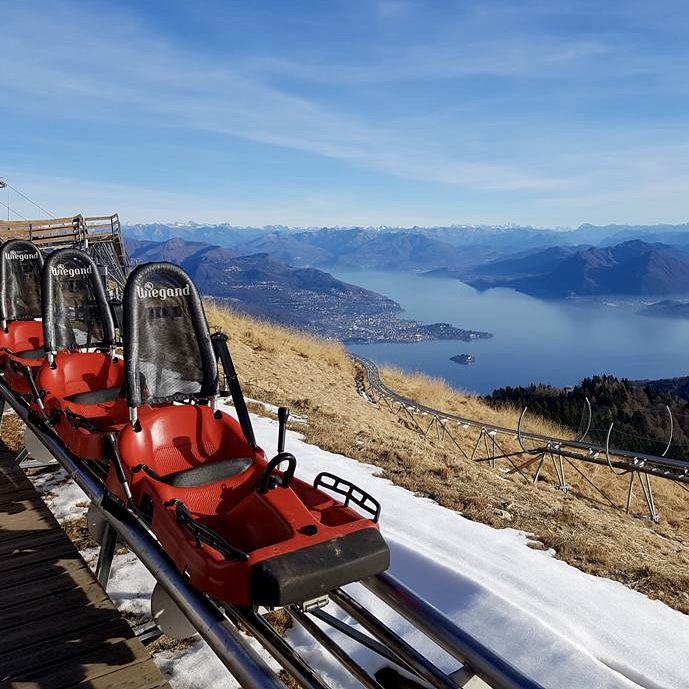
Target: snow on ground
{"x":558,"y":625}
{"x":293,"y":418}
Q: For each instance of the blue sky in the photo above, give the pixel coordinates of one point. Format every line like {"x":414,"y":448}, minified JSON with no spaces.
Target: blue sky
{"x":326,"y":112}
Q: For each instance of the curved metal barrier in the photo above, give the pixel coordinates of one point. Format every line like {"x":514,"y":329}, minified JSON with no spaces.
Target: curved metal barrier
{"x":560,"y":450}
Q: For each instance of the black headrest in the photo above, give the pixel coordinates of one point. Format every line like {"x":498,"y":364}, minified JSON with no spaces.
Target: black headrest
{"x":75,"y":307}
{"x":167,"y":347}
{"x":21,"y":264}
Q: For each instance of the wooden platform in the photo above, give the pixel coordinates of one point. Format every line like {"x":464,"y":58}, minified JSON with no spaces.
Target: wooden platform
{"x":58,"y":628}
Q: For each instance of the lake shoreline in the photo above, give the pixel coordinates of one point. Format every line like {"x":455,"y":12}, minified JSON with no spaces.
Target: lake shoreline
{"x":551,"y":342}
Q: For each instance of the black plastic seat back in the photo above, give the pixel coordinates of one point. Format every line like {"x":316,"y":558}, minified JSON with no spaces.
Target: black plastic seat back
{"x":21,"y":264}
{"x":167,"y":347}
{"x":75,"y":307}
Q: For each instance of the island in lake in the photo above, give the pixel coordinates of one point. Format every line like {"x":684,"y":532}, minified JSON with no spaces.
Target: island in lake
{"x":464,"y":359}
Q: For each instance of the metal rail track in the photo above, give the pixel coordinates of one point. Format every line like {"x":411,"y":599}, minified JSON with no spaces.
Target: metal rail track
{"x":220,"y":625}
{"x":624,"y":461}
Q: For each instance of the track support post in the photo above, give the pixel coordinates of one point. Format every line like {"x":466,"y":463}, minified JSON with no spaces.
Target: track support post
{"x":559,"y":465}
{"x":106,"y":554}
{"x":645,"y":481}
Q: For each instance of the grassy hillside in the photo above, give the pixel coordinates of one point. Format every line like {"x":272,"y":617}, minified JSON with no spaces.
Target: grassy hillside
{"x":317,"y":381}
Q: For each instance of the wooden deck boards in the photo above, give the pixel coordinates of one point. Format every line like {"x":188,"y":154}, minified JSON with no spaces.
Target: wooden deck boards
{"x":58,"y":628}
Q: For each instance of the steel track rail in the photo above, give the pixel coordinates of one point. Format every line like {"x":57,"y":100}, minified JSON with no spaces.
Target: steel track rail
{"x":219,"y":625}
{"x":277,"y":646}
{"x":626,"y":460}
{"x":418,"y":664}
{"x":336,"y":650}
{"x":475,"y":658}
{"x":479,"y":659}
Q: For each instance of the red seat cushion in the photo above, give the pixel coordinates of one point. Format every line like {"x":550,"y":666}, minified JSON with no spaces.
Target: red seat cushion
{"x":176,"y":438}
{"x":85,"y":387}
{"x":77,"y":373}
{"x":22,"y":336}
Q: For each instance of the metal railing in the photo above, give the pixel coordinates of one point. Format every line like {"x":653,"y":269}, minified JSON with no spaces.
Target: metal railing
{"x":560,"y":451}
{"x":100,"y":236}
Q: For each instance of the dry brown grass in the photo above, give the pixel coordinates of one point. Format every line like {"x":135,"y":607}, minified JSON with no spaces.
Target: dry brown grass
{"x":437,"y":394}
{"x":317,"y":380}
{"x":78,"y":532}
{"x":13,"y":433}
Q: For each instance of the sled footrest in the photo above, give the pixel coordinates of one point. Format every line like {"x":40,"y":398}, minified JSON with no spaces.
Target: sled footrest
{"x":350,"y":492}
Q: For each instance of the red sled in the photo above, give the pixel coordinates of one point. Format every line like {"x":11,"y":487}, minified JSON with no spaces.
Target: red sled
{"x":21,"y":332}
{"x":79,"y":385}
{"x":243,"y":529}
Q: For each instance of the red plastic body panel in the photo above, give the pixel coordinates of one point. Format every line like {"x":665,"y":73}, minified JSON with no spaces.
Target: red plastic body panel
{"x":79,"y":372}
{"x":174,"y":438}
{"x":21,"y":336}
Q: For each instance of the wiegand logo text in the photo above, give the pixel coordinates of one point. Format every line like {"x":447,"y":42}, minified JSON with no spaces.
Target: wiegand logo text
{"x":149,"y":291}
{"x":21,"y":255}
{"x":65,"y":271}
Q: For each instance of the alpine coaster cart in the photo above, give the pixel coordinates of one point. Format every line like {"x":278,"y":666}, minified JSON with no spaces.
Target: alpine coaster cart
{"x":239,"y":528}
{"x":21,"y":334}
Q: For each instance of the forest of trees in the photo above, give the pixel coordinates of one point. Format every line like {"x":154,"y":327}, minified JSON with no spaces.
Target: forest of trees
{"x":638,"y":411}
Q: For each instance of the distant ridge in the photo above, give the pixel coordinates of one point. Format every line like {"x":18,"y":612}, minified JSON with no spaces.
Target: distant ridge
{"x":458,"y":249}
{"x":262,"y":285}
{"x":634,"y":268}
{"x":305,"y":298}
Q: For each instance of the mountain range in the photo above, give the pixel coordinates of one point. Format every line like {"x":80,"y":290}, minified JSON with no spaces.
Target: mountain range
{"x":330,"y":248}
{"x":548,"y":263}
{"x":220,"y":272}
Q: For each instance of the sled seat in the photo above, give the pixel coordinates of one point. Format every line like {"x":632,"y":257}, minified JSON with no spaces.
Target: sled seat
{"x":184,"y":452}
{"x":22,"y":346}
{"x":80,"y":385}
{"x":91,"y":397}
{"x":21,"y":335}
{"x":83,"y":379}
{"x":174,"y":440}
{"x":82,"y":396}
{"x":203,"y":475}
{"x":23,"y":339}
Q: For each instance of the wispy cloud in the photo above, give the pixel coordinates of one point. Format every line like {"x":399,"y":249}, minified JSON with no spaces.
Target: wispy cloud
{"x":457,"y":59}
{"x":145,"y":77}
{"x":65,"y":195}
{"x":394,"y":8}
{"x":416,"y":107}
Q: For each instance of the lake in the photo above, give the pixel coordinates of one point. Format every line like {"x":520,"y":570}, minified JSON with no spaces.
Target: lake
{"x":556,"y":342}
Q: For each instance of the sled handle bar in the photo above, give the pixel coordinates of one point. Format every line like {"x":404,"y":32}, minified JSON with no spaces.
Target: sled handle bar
{"x":286,"y":476}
